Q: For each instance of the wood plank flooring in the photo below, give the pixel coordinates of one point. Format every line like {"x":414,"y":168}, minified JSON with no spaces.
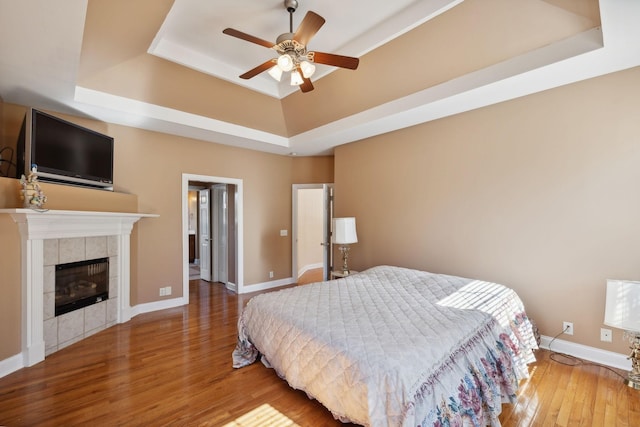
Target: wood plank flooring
{"x":311,"y":276}
{"x":173,"y":368}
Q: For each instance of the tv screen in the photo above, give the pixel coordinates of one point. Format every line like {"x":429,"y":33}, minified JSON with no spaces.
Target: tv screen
{"x":65,"y":152}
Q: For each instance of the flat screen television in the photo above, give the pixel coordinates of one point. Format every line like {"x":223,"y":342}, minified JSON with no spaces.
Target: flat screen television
{"x":64,"y":152}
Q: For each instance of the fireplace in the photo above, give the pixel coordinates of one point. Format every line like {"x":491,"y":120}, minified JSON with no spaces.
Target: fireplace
{"x":80,"y":284}
{"x":52,"y":237}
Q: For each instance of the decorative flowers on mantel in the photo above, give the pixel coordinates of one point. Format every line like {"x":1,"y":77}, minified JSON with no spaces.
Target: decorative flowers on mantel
{"x":32,"y":195}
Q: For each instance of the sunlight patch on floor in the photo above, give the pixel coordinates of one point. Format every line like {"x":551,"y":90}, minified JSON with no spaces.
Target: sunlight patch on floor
{"x":263,"y":416}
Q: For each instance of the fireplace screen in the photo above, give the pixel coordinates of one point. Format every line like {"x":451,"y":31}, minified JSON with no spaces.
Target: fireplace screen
{"x":79,"y":284}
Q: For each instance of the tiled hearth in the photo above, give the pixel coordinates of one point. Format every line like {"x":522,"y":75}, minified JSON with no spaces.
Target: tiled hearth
{"x":61,"y":331}
{"x":55,"y":236}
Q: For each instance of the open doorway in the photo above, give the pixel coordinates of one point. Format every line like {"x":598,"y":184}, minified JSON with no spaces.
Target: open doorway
{"x":211,"y":223}
{"x":212,"y":230}
{"x":311,"y":232}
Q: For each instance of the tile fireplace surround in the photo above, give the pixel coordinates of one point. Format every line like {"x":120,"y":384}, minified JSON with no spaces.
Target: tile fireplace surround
{"x":79,"y":235}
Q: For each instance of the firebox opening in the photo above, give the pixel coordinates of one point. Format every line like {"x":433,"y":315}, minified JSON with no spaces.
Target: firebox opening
{"x":80,"y":284}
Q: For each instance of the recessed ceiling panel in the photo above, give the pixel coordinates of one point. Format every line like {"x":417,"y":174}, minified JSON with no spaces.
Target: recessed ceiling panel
{"x":191,"y":34}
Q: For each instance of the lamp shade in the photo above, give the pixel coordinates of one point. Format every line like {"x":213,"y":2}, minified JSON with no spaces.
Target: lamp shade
{"x":622,"y":307}
{"x":344,"y":231}
{"x":296,"y":78}
{"x":307,"y":69}
{"x":275,"y":72}
{"x":285,"y":62}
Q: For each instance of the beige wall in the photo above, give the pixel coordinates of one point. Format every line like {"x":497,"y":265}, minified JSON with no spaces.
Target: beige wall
{"x":10,"y":311}
{"x":147,"y":178}
{"x":313,"y":170}
{"x":540,"y":193}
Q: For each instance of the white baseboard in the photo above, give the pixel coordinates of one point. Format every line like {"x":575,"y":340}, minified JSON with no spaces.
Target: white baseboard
{"x":11,"y":364}
{"x":157,"y":305}
{"x":308,"y":267}
{"x":267,"y":285}
{"x":592,"y":354}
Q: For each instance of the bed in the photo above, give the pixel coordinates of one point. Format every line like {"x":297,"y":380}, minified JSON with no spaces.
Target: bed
{"x":393,"y":346}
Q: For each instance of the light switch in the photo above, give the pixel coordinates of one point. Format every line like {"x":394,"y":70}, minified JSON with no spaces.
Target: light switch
{"x":283,"y":232}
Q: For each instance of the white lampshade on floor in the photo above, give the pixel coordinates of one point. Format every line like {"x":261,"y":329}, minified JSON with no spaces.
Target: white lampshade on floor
{"x":622,"y":310}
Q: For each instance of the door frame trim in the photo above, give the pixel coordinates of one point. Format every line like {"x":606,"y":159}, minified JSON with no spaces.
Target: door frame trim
{"x":239,"y":219}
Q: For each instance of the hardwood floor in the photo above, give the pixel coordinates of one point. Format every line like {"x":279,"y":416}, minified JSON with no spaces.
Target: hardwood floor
{"x":174,"y":368}
{"x":311,"y":276}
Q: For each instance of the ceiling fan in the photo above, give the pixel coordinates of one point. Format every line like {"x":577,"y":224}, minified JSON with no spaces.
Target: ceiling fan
{"x":293,"y":55}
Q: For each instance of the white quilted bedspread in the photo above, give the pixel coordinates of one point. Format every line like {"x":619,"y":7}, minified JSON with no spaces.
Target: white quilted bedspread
{"x":394,"y":347}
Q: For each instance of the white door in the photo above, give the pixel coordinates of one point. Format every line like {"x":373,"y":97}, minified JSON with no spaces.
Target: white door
{"x":220,"y":234}
{"x":327,"y":217}
{"x":205,"y":235}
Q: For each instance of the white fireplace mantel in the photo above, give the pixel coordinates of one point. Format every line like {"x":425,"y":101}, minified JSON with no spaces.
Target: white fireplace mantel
{"x":37,"y":226}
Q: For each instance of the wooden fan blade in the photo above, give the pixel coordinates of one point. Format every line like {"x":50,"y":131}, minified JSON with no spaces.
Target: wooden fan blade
{"x":308,"y":28}
{"x":306,"y":85}
{"x":259,"y":69}
{"x":336,"y":60}
{"x":247,"y":37}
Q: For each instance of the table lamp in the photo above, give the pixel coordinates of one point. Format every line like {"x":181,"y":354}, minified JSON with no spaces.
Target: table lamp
{"x":344,"y":234}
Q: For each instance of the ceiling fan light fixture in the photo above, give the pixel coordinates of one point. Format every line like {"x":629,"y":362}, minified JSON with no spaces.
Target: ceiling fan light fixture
{"x":292,"y":50}
{"x":296,"y":78}
{"x":307,"y":69}
{"x":275,"y":72}
{"x":285,"y":62}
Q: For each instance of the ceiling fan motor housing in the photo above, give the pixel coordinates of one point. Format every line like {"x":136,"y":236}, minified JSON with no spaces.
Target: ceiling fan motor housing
{"x":284,"y":37}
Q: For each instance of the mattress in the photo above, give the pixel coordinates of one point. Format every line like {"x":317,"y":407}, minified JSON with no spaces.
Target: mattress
{"x":393,"y":346}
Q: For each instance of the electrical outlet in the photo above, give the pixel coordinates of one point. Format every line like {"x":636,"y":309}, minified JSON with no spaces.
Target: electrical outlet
{"x":167,"y":290}
{"x":162,"y":292}
{"x":605,"y":335}
{"x":271,"y":275}
{"x":567,"y":328}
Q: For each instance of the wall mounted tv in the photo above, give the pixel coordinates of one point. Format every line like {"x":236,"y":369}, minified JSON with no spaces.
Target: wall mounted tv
{"x":64,"y":152}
